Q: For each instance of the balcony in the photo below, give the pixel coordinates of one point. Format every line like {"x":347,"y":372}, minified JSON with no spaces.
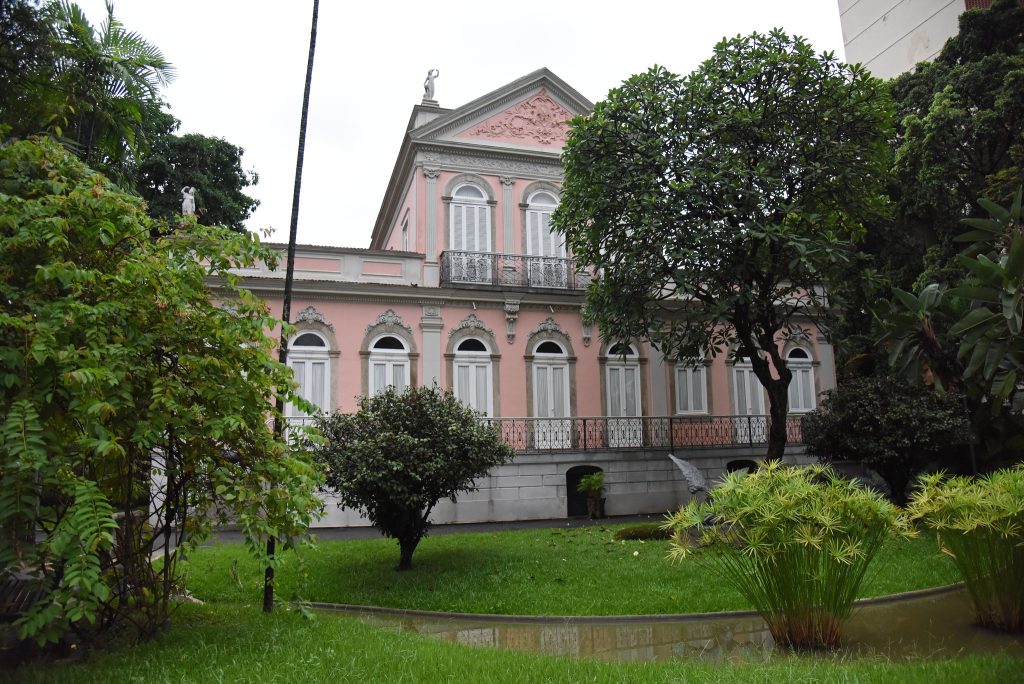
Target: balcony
{"x":515,"y":271}
{"x":604,"y":433}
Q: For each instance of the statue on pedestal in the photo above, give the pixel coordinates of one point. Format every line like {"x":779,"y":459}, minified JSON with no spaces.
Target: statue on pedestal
{"x":428,"y":85}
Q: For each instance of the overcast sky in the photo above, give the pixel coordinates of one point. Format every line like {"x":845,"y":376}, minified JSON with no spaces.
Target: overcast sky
{"x":241,"y":64}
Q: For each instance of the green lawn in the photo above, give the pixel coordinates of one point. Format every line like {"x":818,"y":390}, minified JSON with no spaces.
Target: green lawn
{"x":578,"y":571}
{"x":239,"y":644}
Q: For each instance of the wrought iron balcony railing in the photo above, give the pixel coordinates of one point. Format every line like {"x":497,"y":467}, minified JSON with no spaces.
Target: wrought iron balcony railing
{"x":511,"y":271}
{"x":605,"y":433}
{"x":651,"y":432}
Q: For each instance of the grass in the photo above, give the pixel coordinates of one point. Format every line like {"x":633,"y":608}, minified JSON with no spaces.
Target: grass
{"x":578,"y":571}
{"x":217,"y":643}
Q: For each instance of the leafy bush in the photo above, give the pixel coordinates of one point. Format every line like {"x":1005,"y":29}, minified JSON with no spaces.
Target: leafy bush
{"x":795,"y":542}
{"x":401,"y":453}
{"x":645,"y":531}
{"x":980,"y":523}
{"x":132,"y":404}
{"x":888,"y":424}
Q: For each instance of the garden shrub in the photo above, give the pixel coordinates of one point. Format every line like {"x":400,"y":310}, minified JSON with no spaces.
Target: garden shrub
{"x":401,"y":453}
{"x":795,"y":542}
{"x":980,"y":523}
{"x":889,"y":425}
{"x":642,"y":532}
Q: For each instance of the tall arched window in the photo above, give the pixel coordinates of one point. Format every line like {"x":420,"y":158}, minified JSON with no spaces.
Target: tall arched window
{"x":389,"y":364}
{"x":472,"y":375}
{"x":622,"y":384}
{"x":310,"y":363}
{"x":545,"y":248}
{"x":469,"y":235}
{"x":801,"y":387}
{"x":551,"y":396}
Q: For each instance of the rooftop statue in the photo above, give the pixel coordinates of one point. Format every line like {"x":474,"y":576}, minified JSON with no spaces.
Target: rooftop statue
{"x":428,"y":84}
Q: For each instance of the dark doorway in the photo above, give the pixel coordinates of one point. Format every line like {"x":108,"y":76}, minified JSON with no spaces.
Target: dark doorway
{"x":577,"y":501}
{"x":743,"y":464}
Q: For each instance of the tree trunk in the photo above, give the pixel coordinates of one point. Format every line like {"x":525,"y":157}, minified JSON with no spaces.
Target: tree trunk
{"x":407,"y":546}
{"x":778,"y":409}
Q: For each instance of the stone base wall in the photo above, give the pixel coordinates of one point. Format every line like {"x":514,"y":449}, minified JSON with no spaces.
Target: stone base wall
{"x":533,"y":486}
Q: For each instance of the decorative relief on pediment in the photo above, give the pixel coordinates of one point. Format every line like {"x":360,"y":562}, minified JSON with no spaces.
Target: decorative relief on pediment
{"x":391,"y":319}
{"x":539,"y":119}
{"x":311,"y":315}
{"x":471,"y":322}
{"x":547,"y":328}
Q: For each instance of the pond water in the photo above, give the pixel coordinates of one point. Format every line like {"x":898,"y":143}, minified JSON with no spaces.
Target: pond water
{"x":932,"y":625}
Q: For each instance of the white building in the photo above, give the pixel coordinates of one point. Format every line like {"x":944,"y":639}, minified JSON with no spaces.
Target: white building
{"x":890,"y":36}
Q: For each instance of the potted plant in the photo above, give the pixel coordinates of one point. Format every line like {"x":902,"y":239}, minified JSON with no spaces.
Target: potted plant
{"x":593,"y":486}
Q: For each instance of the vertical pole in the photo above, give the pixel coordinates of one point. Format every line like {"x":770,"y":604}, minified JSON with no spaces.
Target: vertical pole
{"x":286,"y":305}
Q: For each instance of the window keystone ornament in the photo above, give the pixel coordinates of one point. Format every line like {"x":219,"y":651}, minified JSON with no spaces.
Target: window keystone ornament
{"x":471,"y":322}
{"x":311,"y":315}
{"x":389,"y":318}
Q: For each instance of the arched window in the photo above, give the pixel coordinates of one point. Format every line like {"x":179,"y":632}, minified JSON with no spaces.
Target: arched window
{"x":473,"y":375}
{"x":469,"y":234}
{"x":389,"y":364}
{"x":801,"y":388}
{"x":310,"y":363}
{"x":551,"y":395}
{"x":545,"y":248}
{"x":622,"y":391}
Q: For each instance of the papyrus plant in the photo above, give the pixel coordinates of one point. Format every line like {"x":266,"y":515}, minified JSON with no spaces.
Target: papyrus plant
{"x":796,"y":542}
{"x":980,"y":523}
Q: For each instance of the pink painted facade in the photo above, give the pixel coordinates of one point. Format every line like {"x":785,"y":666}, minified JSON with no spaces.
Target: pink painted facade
{"x":463,"y":284}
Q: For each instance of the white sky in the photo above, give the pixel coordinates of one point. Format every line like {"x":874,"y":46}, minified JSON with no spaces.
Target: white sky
{"x":241,"y":64}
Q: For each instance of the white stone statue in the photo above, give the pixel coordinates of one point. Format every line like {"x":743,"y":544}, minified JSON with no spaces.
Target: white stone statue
{"x":428,"y":85}
{"x":188,"y":201}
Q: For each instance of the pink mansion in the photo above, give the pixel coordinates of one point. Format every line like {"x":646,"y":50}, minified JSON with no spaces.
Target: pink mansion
{"x":464,"y":284}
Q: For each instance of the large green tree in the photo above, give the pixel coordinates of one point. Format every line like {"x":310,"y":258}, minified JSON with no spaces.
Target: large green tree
{"x":961,"y":133}
{"x":713,"y":207}
{"x":401,"y":453}
{"x":135,"y":409}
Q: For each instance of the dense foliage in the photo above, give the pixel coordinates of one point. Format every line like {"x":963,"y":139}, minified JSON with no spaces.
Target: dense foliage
{"x":713,"y":207}
{"x":981,"y":524}
{"x":888,"y":424}
{"x":968,"y":339}
{"x":962,"y":128}
{"x":135,"y":409}
{"x":401,"y":453}
{"x":795,"y":542}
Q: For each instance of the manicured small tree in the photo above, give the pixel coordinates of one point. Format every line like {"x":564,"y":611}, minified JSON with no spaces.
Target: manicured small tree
{"x":401,"y":453}
{"x":895,"y":427}
{"x":795,"y":542}
{"x":980,"y":523}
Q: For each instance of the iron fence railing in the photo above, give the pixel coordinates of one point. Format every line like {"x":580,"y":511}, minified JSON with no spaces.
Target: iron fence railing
{"x":651,"y":432}
{"x":511,"y":270}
